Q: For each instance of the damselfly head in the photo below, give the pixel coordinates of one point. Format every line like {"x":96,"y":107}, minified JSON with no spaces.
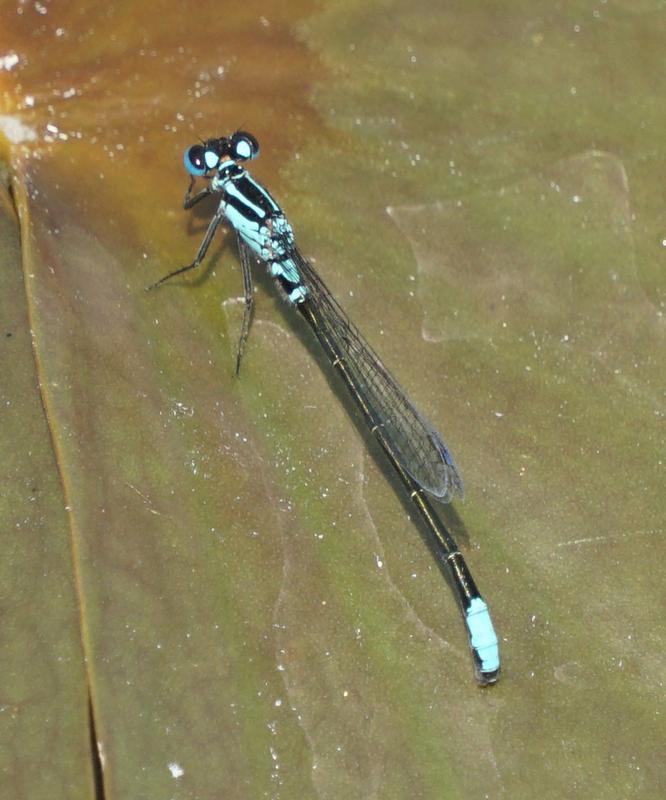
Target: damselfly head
{"x":200,"y":159}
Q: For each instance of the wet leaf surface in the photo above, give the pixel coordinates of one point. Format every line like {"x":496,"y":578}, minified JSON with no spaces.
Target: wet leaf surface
{"x":44,"y":693}
{"x":225,"y":565}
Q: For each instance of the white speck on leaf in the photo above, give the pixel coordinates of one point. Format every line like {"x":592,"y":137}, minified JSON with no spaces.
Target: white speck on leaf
{"x":176,"y":770}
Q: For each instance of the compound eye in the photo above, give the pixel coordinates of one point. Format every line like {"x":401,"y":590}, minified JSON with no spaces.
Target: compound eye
{"x":194,"y":159}
{"x":243,"y":146}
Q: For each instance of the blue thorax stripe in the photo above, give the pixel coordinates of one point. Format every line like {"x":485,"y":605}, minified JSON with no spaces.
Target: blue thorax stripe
{"x":232,"y":190}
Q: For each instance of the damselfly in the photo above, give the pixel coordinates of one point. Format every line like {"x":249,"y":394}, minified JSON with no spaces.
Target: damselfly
{"x":413,"y":446}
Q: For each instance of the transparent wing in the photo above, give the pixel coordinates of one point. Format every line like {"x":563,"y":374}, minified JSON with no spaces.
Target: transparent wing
{"x":420,"y":448}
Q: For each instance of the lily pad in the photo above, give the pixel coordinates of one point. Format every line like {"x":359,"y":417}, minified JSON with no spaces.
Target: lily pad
{"x":212,"y":585}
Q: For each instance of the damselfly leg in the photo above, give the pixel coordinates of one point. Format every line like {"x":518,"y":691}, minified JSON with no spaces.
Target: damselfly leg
{"x":203,"y":247}
{"x":190,"y":199}
{"x":246,"y":259}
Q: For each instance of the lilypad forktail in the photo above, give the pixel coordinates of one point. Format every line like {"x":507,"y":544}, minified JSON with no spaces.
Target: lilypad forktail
{"x":412,"y":445}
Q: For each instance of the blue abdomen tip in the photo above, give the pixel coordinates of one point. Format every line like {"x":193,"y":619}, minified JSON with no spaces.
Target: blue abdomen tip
{"x":482,"y":635}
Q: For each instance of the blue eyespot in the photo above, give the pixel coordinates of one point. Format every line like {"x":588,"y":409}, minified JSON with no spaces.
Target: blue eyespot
{"x":194,"y":159}
{"x":243,"y":146}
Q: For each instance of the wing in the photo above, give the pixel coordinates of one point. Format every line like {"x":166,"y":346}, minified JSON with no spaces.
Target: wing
{"x":420,"y":449}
